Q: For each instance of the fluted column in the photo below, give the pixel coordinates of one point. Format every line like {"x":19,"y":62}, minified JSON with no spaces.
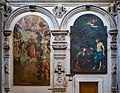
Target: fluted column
{"x":7,"y":33}
{"x":113,"y":46}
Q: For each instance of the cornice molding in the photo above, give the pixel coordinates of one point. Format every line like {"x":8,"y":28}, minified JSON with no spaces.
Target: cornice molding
{"x":67,"y":3}
{"x":63,"y":0}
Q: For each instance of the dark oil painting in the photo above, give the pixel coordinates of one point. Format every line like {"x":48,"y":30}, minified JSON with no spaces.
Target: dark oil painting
{"x":88,"y":45}
{"x":31,"y":52}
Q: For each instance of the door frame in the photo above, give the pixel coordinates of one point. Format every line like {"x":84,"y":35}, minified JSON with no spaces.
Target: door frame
{"x":92,"y":79}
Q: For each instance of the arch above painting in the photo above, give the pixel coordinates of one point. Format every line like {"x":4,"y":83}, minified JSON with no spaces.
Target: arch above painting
{"x":72,"y":15}
{"x":32,"y":10}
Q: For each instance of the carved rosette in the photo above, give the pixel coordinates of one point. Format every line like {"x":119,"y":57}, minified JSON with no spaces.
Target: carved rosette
{"x":6,"y":33}
{"x":113,"y":46}
{"x":59,"y":11}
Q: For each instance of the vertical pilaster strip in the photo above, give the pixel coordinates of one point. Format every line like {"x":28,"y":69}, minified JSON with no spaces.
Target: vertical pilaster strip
{"x":113,"y":46}
{"x":118,"y":44}
{"x":0,"y":53}
{"x":7,"y":33}
{"x":1,"y":48}
{"x":59,"y":50}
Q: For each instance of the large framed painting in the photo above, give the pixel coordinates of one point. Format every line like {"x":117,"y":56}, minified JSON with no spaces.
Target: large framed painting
{"x":31,"y":51}
{"x":88,"y":45}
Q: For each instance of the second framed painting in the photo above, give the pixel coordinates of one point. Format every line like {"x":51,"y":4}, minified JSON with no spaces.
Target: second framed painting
{"x":88,"y":45}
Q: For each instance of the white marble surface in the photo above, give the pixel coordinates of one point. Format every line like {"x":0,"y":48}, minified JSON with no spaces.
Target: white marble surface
{"x":64,"y":0}
{"x":118,"y":50}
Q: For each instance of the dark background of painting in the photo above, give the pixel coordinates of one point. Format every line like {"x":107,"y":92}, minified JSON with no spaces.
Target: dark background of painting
{"x":84,"y":35}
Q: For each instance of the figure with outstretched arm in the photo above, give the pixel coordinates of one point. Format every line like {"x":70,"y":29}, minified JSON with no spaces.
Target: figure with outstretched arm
{"x":99,"y":54}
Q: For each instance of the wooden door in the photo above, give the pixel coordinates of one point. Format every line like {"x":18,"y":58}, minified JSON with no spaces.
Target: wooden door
{"x":88,"y":87}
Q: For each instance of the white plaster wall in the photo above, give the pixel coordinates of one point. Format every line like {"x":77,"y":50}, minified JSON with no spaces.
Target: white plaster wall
{"x":118,"y":49}
{"x":106,"y":78}
{"x":28,"y":89}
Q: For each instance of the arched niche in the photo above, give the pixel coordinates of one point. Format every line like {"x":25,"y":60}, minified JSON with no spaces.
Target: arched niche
{"x":17,"y":18}
{"x":69,"y":20}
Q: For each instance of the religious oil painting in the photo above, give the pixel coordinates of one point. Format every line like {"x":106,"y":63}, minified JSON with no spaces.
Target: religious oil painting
{"x":31,"y":52}
{"x":88,"y":45}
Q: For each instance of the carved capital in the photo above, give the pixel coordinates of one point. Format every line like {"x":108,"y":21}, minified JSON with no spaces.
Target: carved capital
{"x":113,"y":32}
{"x":59,"y":32}
{"x":113,"y":42}
{"x":7,"y":33}
{"x":59,"y":47}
